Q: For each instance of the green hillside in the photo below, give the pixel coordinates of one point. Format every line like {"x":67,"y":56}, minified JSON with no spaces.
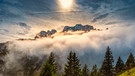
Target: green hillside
{"x":130,"y":72}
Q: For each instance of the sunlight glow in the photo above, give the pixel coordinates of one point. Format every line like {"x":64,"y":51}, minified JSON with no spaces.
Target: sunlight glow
{"x":66,"y":4}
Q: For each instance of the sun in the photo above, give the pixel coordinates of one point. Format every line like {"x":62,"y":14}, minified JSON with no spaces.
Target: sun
{"x":66,"y":4}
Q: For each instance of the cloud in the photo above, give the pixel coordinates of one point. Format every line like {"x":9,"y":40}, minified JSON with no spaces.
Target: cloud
{"x":24,"y":25}
{"x":4,"y":31}
{"x":26,"y":28}
{"x":88,"y":46}
{"x":111,"y":23}
{"x":44,"y":15}
{"x":100,"y":17}
{"x":47,"y":12}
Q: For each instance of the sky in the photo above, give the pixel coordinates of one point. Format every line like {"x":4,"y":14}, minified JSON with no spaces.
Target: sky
{"x":47,"y":14}
{"x":26,"y":18}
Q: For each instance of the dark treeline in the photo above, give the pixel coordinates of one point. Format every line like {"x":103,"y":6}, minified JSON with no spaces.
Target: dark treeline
{"x":72,"y":67}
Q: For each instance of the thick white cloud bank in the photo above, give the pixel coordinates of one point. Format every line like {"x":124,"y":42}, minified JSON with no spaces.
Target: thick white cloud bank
{"x":90,"y":47}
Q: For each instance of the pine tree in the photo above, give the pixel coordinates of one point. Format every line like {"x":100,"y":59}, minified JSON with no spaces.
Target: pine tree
{"x":72,"y":68}
{"x":76,"y":65}
{"x":68,"y":66}
{"x":94,"y":71}
{"x":85,"y":71}
{"x":130,"y":63}
{"x":52,"y":62}
{"x":119,"y":65}
{"x":46,"y":70}
{"x":107,"y":66}
{"x":49,"y":68}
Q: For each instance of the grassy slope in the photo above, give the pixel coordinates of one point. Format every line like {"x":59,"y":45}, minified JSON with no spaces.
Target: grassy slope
{"x":130,"y":72}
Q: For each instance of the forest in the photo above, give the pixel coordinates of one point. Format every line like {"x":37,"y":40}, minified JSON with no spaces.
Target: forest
{"x":73,"y":66}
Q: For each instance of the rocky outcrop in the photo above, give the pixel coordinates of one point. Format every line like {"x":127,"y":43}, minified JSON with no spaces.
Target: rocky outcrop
{"x":78,"y":27}
{"x":45,"y":34}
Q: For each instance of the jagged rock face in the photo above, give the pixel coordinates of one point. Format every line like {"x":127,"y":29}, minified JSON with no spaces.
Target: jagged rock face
{"x":78,"y":27}
{"x":46,"y":34}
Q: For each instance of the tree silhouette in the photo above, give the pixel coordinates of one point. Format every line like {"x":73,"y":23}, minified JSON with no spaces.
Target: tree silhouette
{"x":130,"y":63}
{"x":107,"y":66}
{"x":49,"y":68}
{"x":94,"y":71}
{"x":85,"y":71}
{"x":72,"y":68}
{"x":119,"y":65}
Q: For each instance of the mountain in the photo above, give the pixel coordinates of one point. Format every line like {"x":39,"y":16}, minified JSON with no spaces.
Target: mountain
{"x":45,"y":33}
{"x":77,"y":27}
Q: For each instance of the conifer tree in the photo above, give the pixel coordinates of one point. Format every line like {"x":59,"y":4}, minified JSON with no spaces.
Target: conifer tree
{"x":76,"y":65}
{"x":107,"y":66}
{"x":130,"y":63}
{"x":119,"y":65}
{"x":85,"y":71}
{"x":68,"y":66}
{"x":49,"y":68}
{"x":52,"y":62}
{"x":72,"y":68}
{"x":46,"y":70}
{"x":94,"y":71}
